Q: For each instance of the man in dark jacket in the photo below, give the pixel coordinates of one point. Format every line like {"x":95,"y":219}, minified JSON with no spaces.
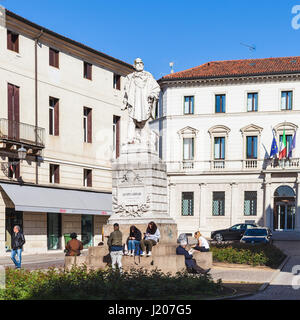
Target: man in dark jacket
{"x":74,"y":246}
{"x":17,"y":242}
{"x":189,"y":261}
{"x":116,"y":247}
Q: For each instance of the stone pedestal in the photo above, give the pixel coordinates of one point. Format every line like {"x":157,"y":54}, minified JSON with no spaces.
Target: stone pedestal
{"x":139,"y":192}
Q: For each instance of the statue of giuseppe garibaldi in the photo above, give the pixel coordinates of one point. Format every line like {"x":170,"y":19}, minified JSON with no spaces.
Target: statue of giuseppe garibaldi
{"x":141,"y":95}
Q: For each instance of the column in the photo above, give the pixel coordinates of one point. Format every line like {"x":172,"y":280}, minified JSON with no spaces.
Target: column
{"x":235,"y":204}
{"x":297,"y":222}
{"x":268,"y":219}
{"x":202,"y":207}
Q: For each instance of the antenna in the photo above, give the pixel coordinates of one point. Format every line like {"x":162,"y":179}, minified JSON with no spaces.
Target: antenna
{"x":250,"y":47}
{"x":171,"y":64}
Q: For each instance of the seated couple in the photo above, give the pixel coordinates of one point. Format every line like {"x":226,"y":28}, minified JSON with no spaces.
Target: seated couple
{"x":136,"y":246}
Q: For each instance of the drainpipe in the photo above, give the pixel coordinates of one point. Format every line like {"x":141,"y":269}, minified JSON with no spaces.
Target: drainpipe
{"x":36,"y":39}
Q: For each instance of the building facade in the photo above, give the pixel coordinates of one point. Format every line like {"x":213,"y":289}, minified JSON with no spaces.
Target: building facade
{"x":216,"y":124}
{"x":61,"y":106}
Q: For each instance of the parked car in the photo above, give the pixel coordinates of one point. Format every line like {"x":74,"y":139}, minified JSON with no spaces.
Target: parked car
{"x":257,"y":235}
{"x":233,"y":233}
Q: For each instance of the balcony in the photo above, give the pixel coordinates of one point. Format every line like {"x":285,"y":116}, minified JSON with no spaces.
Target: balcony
{"x":233,"y":165}
{"x":17,"y":133}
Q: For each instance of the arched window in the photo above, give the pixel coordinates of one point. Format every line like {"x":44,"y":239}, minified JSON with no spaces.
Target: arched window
{"x":284,"y":191}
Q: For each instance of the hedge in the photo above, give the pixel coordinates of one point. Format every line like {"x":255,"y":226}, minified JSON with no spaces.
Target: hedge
{"x":251,"y":254}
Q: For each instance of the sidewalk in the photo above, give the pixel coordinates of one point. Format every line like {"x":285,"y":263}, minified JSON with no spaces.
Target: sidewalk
{"x":38,"y":261}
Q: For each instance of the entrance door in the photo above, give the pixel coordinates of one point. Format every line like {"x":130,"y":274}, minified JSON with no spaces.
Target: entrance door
{"x":13,"y":112}
{"x":12,"y":218}
{"x":87,"y":227}
{"x":54,"y":231}
{"x":284,"y":216}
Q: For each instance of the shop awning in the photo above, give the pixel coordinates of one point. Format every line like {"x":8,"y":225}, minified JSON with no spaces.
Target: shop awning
{"x":40,"y":199}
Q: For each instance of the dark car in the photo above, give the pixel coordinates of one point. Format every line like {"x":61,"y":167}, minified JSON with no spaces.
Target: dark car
{"x":233,"y":233}
{"x":257,"y":235}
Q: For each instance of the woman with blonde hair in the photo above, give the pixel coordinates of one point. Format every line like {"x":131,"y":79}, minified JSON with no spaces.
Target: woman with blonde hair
{"x":202,"y":244}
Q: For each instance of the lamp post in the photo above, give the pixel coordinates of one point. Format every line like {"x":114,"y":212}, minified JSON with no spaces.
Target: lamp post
{"x":22,"y":152}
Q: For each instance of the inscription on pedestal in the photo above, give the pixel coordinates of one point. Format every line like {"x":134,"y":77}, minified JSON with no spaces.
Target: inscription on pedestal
{"x":131,"y":195}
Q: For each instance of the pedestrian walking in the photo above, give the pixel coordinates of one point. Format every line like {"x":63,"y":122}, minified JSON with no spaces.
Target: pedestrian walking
{"x":115,"y":247}
{"x":17,"y":242}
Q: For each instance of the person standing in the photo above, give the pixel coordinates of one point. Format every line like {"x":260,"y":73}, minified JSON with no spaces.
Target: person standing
{"x":74,"y":246}
{"x":134,"y":239}
{"x":17,"y":242}
{"x":152,"y":236}
{"x":115,"y":247}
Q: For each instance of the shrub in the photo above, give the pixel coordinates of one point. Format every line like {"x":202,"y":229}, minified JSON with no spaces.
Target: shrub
{"x":79,"y":283}
{"x":253,"y":254}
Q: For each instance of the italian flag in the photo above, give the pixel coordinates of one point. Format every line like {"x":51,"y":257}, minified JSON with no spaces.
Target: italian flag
{"x":283,"y":149}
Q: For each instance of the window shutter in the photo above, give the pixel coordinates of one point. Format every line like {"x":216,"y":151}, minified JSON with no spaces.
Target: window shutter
{"x":17,"y":170}
{"x":9,"y":40}
{"x":90,"y":126}
{"x":51,"y":58}
{"x":16,"y":111}
{"x":56,"y":118}
{"x":57,"y":59}
{"x":56,"y":174}
{"x":118,"y":137}
{"x":89,"y":68}
{"x":16,"y":44}
{"x":89,"y":178}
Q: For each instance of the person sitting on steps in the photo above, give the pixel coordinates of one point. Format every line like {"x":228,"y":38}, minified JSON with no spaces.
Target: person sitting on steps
{"x":134,"y":239}
{"x":190,"y":263}
{"x":151,"y":238}
{"x":202,"y":244}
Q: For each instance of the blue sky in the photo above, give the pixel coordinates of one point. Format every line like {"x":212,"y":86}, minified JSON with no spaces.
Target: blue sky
{"x":188,"y":32}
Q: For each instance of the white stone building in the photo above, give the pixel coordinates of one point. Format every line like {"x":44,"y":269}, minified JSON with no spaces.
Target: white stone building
{"x":215,"y":124}
{"x":61,"y":101}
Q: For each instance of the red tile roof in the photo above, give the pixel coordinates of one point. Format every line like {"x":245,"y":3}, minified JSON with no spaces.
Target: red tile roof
{"x":235,"y":68}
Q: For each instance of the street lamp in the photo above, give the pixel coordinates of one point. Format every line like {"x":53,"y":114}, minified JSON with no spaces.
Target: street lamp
{"x":22,"y":152}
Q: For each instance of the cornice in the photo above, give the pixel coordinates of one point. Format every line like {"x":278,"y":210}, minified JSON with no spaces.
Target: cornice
{"x":31,"y":30}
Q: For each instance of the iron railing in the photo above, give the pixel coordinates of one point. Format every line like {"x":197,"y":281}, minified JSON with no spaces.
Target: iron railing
{"x":13,"y":131}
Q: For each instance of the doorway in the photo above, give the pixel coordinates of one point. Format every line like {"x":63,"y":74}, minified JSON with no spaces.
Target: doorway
{"x":12,"y":218}
{"x":284,"y":209}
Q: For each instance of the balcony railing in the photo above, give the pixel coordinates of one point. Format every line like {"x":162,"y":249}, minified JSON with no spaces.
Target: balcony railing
{"x":233,"y":165}
{"x":17,"y":132}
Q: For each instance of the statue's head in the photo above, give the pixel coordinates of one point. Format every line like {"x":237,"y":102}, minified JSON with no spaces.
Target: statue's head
{"x":138,"y":64}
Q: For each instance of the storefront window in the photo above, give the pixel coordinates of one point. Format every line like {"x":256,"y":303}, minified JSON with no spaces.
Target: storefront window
{"x":87,"y":227}
{"x":54,"y":231}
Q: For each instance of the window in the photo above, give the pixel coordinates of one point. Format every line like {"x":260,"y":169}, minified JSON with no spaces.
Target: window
{"x":286,"y":100}
{"x":87,"y":70}
{"x":116,"y":136}
{"x":219,"y":149}
{"x":189,"y":105}
{"x":53,"y":58}
{"x":187,"y":204}
{"x":87,"y":178}
{"x":87,"y":125}
{"x":220,"y":103}
{"x":117,"y":81}
{"x":289,"y":141}
{"x":14,"y":168}
{"x":250,"y":203}
{"x":188,"y":148}
{"x":53,"y":116}
{"x":251,"y":147}
{"x":12,"y":41}
{"x":218,"y":206}
{"x":252,"y":101}
{"x":54,"y":173}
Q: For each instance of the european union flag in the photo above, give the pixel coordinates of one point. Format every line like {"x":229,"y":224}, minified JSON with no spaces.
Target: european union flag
{"x":274,"y":148}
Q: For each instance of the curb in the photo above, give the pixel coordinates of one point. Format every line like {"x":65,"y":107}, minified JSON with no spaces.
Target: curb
{"x":266,"y":284}
{"x":262,"y":287}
